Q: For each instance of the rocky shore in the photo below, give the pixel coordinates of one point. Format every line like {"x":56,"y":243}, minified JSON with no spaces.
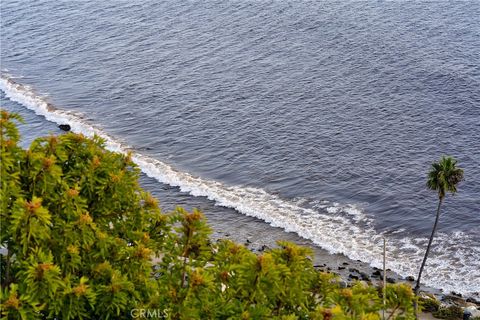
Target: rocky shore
{"x":444,"y":305}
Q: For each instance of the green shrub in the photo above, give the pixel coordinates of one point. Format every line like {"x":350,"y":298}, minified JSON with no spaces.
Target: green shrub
{"x":450,"y":313}
{"x":429,"y":304}
{"x":78,"y":230}
{"x":81,"y":240}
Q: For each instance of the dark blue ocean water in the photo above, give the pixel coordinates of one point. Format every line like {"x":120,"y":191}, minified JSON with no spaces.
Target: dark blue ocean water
{"x":321,"y":118}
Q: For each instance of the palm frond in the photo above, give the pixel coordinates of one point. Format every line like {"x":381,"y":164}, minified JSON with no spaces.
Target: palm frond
{"x":444,"y":176}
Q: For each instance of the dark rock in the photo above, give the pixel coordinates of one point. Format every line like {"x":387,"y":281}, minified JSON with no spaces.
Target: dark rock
{"x":410,"y":278}
{"x":329,"y":269}
{"x":65,"y":127}
{"x":345,"y":263}
{"x":390,"y":280}
{"x":377,"y":273}
{"x":341,"y":268}
{"x":263,"y":248}
{"x":248,"y":241}
{"x":472,"y":300}
{"x":364,"y":276}
{"x":353,"y":277}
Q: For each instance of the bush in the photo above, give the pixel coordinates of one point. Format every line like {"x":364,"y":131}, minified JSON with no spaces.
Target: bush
{"x":429,"y":304}
{"x":81,"y":240}
{"x":78,"y":230}
{"x":450,"y":313}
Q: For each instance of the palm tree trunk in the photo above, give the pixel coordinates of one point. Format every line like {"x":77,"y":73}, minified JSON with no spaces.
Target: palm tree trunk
{"x":417,"y":286}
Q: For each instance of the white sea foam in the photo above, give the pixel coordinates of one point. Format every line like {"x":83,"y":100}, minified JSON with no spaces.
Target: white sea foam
{"x":338,"y":228}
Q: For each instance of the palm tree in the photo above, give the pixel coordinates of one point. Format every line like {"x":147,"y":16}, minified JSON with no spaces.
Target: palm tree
{"x":443,"y":177}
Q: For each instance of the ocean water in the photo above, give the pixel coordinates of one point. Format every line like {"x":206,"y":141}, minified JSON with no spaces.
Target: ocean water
{"x":320,"y":118}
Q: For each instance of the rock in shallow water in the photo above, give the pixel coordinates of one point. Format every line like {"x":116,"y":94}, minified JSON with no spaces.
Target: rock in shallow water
{"x":65,"y":127}
{"x":390,"y":280}
{"x":364,"y":276}
{"x":377,"y":273}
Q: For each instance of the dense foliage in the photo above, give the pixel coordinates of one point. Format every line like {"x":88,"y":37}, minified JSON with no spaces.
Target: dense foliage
{"x":81,"y":240}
